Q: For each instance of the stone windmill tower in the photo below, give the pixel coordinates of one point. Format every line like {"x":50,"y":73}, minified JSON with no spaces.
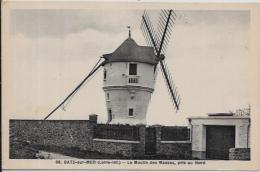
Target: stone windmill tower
{"x":130,"y":72}
{"x":129,"y":79}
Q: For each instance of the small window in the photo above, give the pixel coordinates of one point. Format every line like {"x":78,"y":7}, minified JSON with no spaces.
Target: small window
{"x":132,"y":69}
{"x":131,"y":112}
{"x":105,"y":74}
{"x":108,"y":96}
{"x":110,"y":116}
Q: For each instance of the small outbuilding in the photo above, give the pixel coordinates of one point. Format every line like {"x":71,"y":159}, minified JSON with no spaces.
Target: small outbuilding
{"x":220,"y":136}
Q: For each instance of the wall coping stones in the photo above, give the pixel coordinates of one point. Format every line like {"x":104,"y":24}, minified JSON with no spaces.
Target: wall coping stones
{"x":239,"y":150}
{"x":117,"y":141}
{"x":166,"y":141}
{"x":219,"y":117}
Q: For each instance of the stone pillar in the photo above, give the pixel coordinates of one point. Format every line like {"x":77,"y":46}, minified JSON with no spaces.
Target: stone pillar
{"x":139,"y":149}
{"x":93,"y":118}
{"x":92,"y":123}
{"x":242,"y":135}
{"x":198,"y":134}
{"x":158,"y":131}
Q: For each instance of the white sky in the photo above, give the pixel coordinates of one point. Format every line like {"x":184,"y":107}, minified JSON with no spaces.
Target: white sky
{"x":53,"y":50}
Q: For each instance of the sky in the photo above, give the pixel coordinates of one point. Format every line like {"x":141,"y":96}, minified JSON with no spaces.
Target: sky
{"x":53,"y":50}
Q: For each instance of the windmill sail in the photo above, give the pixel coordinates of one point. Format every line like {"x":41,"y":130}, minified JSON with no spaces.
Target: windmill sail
{"x":166,"y":24}
{"x":95,"y":68}
{"x":149,"y":33}
{"x":159,"y":40}
{"x":171,"y":87}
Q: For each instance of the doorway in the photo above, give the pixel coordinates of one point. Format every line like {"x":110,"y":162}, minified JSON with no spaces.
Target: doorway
{"x":219,"y":139}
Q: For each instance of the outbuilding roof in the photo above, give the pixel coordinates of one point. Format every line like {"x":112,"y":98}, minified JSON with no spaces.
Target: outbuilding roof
{"x":129,"y":51}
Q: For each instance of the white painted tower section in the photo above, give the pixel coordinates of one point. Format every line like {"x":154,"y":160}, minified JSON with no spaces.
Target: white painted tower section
{"x":125,"y":92}
{"x":128,"y":86}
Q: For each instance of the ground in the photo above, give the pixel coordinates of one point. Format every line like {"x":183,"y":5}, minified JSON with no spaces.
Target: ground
{"x":25,"y":150}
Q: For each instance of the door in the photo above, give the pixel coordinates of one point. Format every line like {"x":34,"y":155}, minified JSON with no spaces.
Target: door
{"x":219,"y":139}
{"x":150,"y":141}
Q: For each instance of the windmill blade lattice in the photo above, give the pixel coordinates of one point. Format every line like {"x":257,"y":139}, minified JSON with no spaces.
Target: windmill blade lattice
{"x":159,"y":41}
{"x":149,"y":32}
{"x":172,"y":89}
{"x":165,"y":27}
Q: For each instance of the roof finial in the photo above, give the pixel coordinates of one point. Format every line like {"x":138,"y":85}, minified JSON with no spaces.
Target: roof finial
{"x":129,"y":34}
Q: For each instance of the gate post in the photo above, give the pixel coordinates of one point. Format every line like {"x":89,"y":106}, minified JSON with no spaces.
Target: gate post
{"x":141,"y":146}
{"x":158,"y":134}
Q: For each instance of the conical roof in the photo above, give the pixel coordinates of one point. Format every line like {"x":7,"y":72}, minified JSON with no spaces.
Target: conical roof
{"x":129,"y":51}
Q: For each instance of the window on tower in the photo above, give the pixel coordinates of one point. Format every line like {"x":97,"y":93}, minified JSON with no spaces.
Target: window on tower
{"x":132,"y":69}
{"x":131,"y":112}
{"x":108,"y":98}
{"x":110,"y":116}
{"x":105,"y":74}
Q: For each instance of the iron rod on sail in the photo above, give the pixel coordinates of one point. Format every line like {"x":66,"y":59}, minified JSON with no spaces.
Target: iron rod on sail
{"x":81,"y":83}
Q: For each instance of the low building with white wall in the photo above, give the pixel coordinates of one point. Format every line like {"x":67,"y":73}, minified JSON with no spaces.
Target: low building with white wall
{"x":212,"y":137}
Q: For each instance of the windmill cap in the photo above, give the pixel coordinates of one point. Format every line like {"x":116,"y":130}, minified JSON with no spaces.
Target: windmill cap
{"x":129,"y":51}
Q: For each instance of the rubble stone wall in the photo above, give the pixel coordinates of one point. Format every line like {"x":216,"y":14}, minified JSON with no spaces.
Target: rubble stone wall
{"x":114,"y":147}
{"x":239,"y":154}
{"x":63,"y":133}
{"x":176,"y":150}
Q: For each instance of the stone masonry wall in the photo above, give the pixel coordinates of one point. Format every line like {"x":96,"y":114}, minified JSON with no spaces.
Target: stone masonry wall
{"x":115,"y":148}
{"x":176,"y":150}
{"x":239,"y":154}
{"x":62,"y":133}
{"x":126,"y":148}
{"x":79,"y":134}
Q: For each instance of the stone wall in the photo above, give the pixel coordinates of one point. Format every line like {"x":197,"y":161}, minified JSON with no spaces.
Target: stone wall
{"x":117,"y":132}
{"x":116,"y":147}
{"x":127,"y":148}
{"x":176,"y":150}
{"x":173,"y":149}
{"x":78,"y":134}
{"x":62,"y":133}
{"x":239,"y":154}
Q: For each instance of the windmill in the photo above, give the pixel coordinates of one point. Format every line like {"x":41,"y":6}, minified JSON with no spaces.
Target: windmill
{"x":159,"y":41}
{"x":130,"y":72}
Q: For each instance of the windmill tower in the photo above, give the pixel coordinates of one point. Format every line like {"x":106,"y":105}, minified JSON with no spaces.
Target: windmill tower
{"x":130,"y":72}
{"x":128,"y":82}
